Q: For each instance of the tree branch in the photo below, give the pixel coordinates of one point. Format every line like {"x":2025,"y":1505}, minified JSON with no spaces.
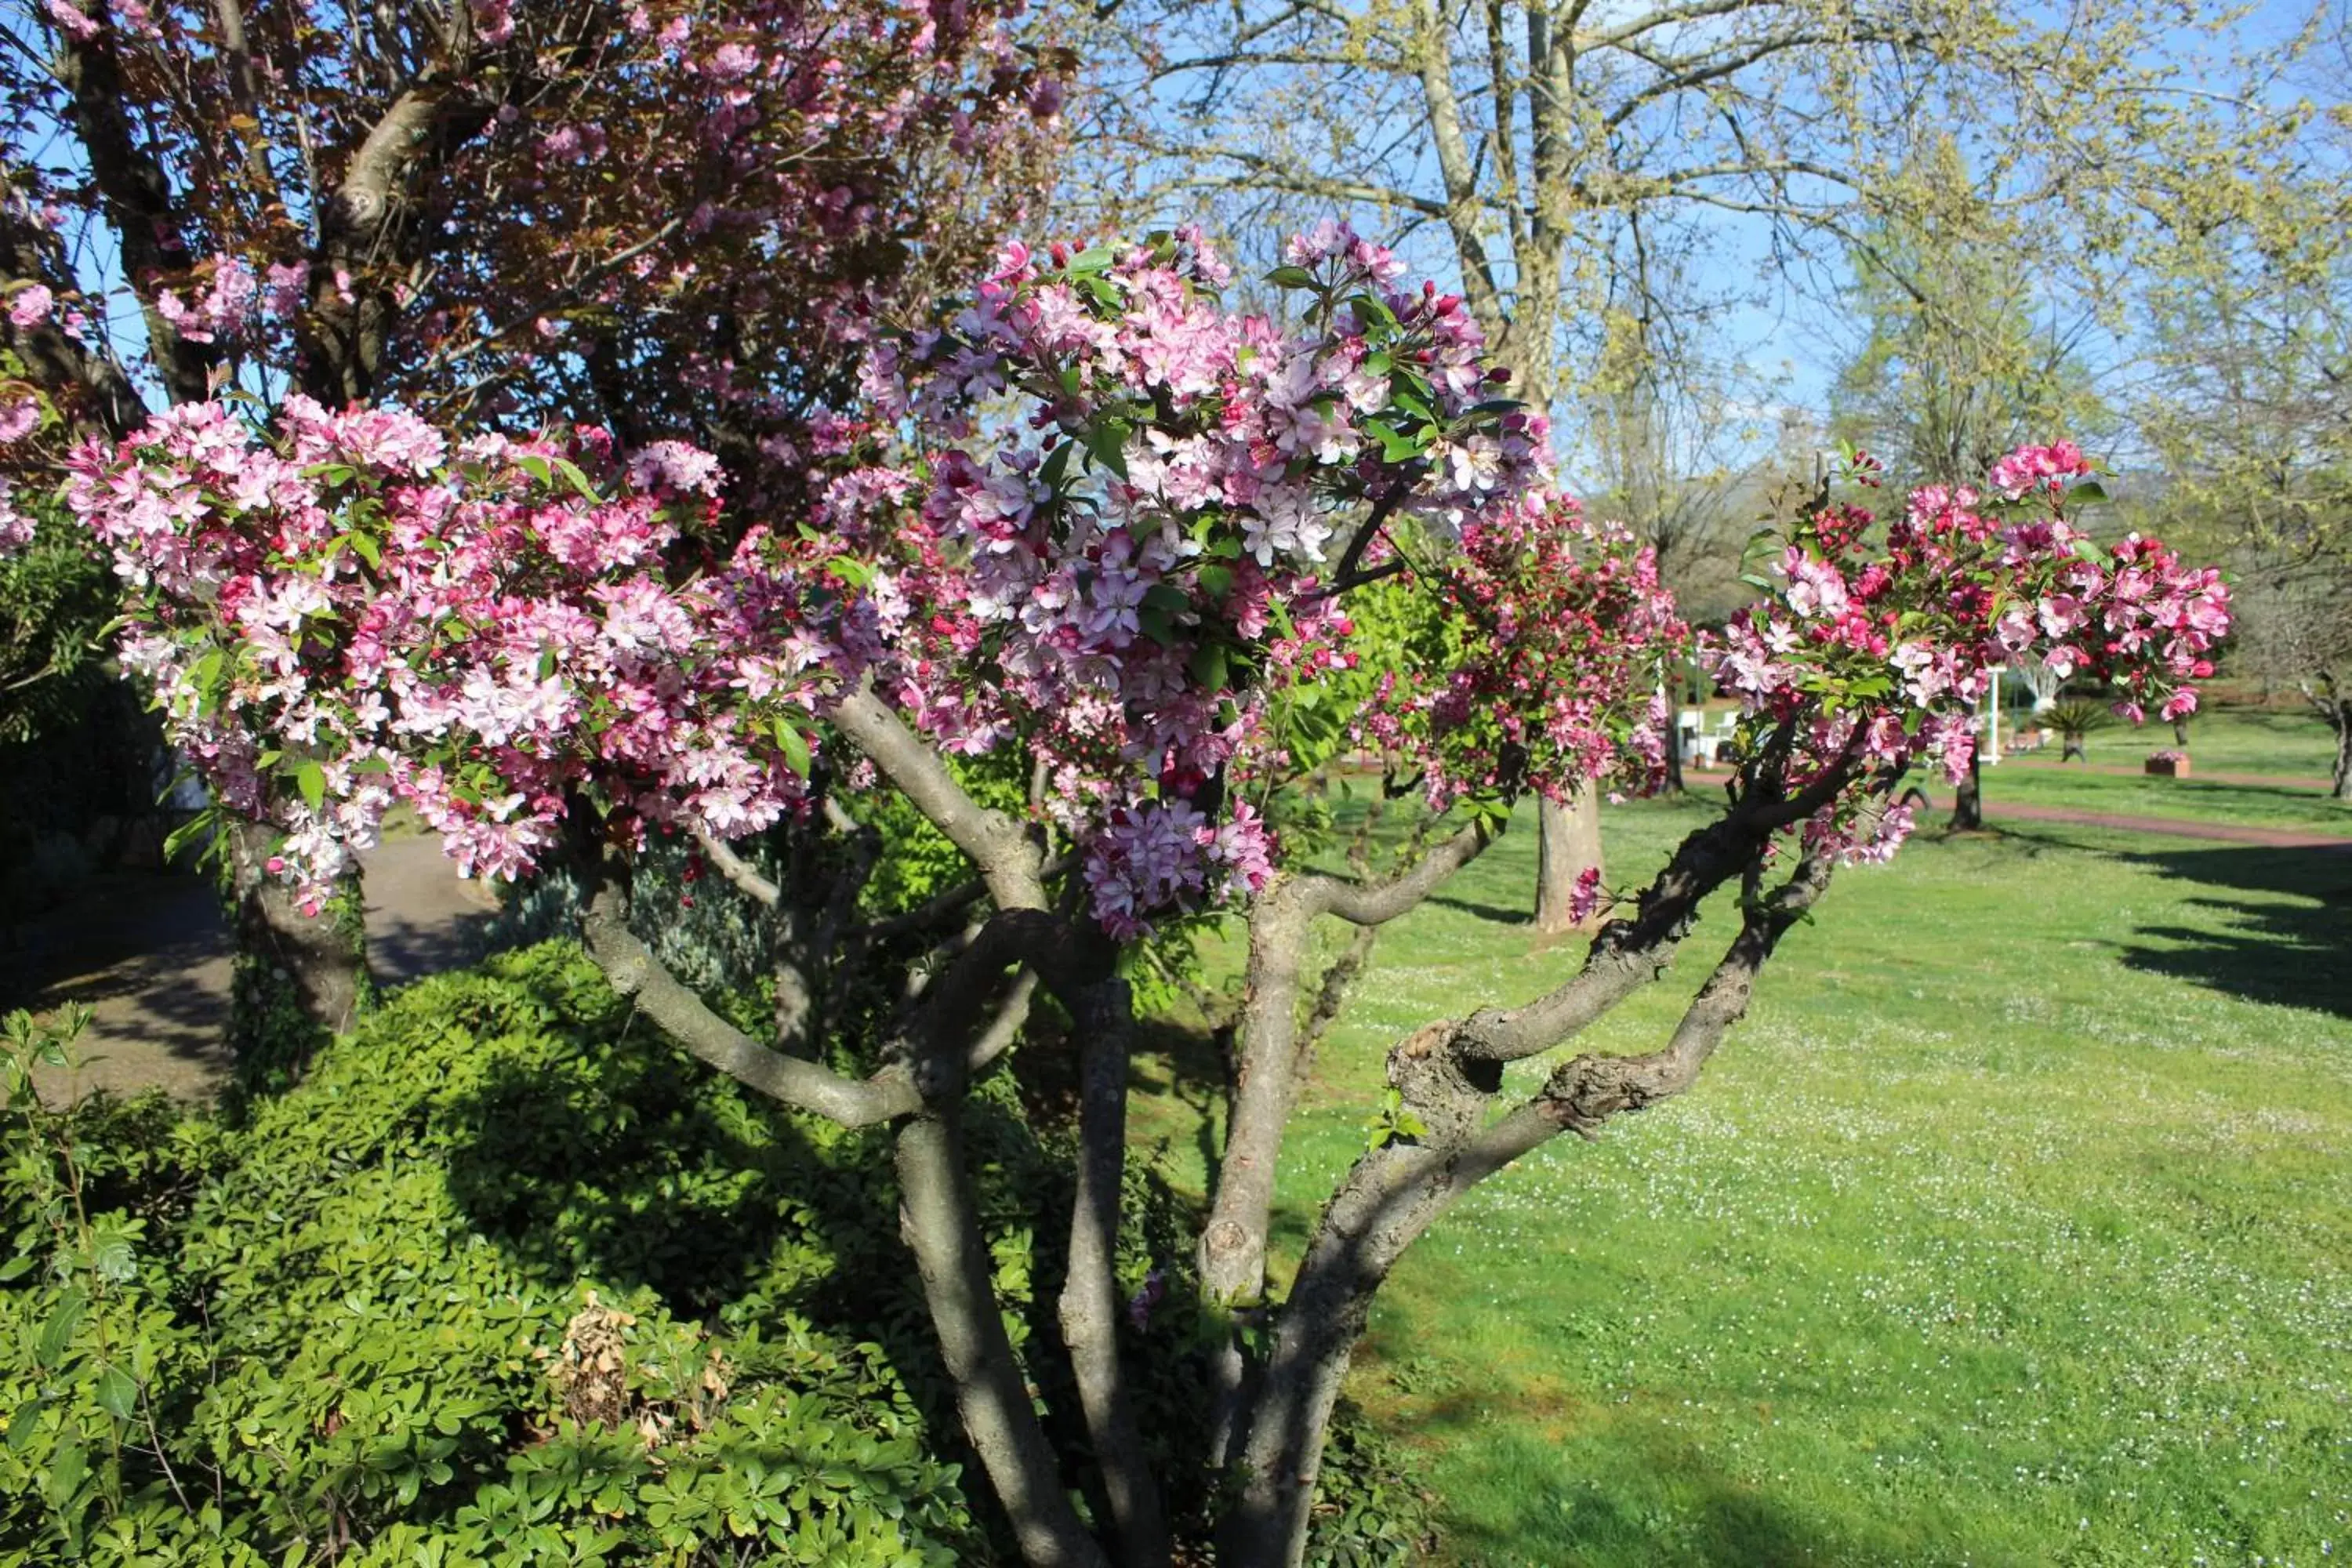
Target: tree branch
{"x":942,"y":1230}
{"x":1232,"y":1248}
{"x":138,"y":207}
{"x":1396,"y":1191}
{"x":635,"y":973}
{"x":1009,"y":864}
{"x":735,"y":870}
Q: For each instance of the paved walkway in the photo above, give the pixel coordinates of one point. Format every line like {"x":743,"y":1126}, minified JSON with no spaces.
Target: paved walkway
{"x":149,"y":955}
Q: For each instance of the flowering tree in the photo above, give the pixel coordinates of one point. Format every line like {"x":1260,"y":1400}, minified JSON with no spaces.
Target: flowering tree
{"x":672,"y":218}
{"x":1099,"y":525}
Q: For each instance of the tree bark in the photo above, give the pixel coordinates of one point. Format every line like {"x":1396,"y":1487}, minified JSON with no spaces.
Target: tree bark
{"x":1272,"y":1058}
{"x":1089,"y":1307}
{"x":1968,"y":806}
{"x":1568,"y":845}
{"x":316,"y":964}
{"x":2342,"y":720}
{"x":942,"y":1230}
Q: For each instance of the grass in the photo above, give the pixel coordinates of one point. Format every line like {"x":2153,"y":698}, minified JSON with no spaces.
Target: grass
{"x":2013,"y":1227}
{"x":2233,"y":740}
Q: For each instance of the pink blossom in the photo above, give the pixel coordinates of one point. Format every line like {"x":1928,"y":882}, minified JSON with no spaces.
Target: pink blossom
{"x":31,"y":307}
{"x":72,"y":19}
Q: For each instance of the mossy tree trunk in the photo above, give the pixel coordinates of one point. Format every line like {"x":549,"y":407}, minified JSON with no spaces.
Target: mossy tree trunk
{"x":299,"y":978}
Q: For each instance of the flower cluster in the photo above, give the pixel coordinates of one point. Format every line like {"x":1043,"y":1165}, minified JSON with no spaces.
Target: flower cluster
{"x":361,"y":612}
{"x":1126,"y":571}
{"x":1118,"y":578}
{"x":1866,"y":660}
{"x":1534,"y":660}
{"x":720,"y":199}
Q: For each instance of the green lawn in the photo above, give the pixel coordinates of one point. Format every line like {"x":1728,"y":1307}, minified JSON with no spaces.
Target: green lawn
{"x":2014,"y":1226}
{"x":2232,"y":740}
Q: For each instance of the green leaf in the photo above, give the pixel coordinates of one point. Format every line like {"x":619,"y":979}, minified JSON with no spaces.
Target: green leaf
{"x":113,"y":1259}
{"x":364,"y":546}
{"x":1154,"y":622}
{"x":59,"y":1332}
{"x":794,"y":746}
{"x":576,"y":478}
{"x":1106,"y":443}
{"x":310,"y":779}
{"x":537,"y":466}
{"x":1056,"y":464}
{"x":116,"y":1393}
{"x":194,"y":828}
{"x":2089,"y":492}
{"x":25,"y":1424}
{"x":1167,"y":596}
{"x":205,"y":673}
{"x":68,"y":1468}
{"x":1291,"y":278}
{"x":1210,"y":666}
{"x":1215,"y":581}
{"x":1093,"y":259}
{"x":1395,"y":445}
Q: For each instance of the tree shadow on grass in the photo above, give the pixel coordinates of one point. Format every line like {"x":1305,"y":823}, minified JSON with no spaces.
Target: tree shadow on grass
{"x":2278,"y":925}
{"x":2278,"y":921}
{"x":1670,"y":1509}
{"x":1190,"y":1065}
{"x":1493,"y":912}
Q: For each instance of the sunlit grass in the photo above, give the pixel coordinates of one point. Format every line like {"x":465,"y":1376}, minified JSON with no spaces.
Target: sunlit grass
{"x":2014,"y":1226}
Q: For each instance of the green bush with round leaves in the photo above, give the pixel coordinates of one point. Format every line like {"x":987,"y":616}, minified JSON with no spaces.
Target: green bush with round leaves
{"x":508,"y":1279}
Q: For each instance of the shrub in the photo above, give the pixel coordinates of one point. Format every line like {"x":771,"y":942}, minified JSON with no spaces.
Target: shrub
{"x":508,"y":1279}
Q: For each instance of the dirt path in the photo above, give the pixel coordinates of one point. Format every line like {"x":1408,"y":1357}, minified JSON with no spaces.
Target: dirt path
{"x":149,"y":955}
{"x":2167,"y":826}
{"x":2174,"y":827}
{"x":2316,"y":783}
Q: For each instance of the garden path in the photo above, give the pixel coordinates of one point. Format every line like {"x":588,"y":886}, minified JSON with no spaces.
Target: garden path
{"x":149,"y":955}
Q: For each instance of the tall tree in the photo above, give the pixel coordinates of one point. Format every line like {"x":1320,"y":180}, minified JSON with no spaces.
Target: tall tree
{"x":1963,"y":355}
{"x":2248,"y":402}
{"x":669,"y":218}
{"x":1544,"y":144}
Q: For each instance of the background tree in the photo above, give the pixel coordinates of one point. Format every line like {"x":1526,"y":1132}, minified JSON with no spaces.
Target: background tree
{"x":1963,"y":354}
{"x":669,"y":218}
{"x":1552,"y":155}
{"x":2248,"y":396}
